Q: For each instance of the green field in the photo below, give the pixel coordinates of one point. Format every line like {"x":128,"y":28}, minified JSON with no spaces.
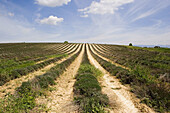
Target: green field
{"x":102,"y":78}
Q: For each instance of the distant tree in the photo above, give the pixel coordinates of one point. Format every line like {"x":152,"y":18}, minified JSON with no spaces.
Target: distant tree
{"x":130,"y":44}
{"x":65,"y":42}
{"x":157,"y":47}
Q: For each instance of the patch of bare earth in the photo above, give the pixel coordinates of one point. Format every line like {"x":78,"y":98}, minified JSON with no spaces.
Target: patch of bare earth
{"x":61,"y":99}
{"x":10,"y":86}
{"x":121,"y":100}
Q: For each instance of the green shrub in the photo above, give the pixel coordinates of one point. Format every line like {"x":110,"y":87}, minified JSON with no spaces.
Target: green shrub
{"x":94,"y":104}
{"x":86,"y":68}
{"x":45,"y":80}
{"x":14,"y":74}
{"x":12,"y":104}
{"x":4,"y":78}
{"x":24,"y":88}
{"x":35,"y":67}
{"x":22,"y":71}
{"x":87,"y":85}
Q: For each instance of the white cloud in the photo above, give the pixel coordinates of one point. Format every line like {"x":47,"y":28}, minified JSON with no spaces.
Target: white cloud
{"x":145,"y":8}
{"x":16,"y":31}
{"x":146,"y":14}
{"x":85,"y":16}
{"x":51,"y":20}
{"x":10,"y":14}
{"x":104,"y":6}
{"x":52,"y":3}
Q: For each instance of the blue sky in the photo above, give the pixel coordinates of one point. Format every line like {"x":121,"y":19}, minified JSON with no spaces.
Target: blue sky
{"x":141,"y":22}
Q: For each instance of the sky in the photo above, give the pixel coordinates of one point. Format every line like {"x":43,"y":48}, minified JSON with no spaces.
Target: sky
{"x":141,"y":22}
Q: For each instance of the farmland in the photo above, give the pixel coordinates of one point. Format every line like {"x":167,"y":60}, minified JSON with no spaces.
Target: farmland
{"x":90,"y":78}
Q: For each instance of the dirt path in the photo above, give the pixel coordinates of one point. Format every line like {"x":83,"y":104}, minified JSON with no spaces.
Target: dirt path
{"x":10,"y":86}
{"x":116,"y":64}
{"x":61,"y":99}
{"x":121,"y":100}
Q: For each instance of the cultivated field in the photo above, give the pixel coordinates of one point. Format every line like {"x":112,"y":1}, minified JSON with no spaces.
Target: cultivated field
{"x":90,"y":78}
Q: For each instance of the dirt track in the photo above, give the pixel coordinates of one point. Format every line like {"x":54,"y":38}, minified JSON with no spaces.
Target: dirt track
{"x":61,"y":99}
{"x":121,"y":100}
